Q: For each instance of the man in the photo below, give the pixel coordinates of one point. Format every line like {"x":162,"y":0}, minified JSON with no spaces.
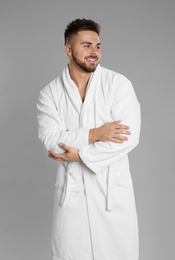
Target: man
{"x":89,"y":120}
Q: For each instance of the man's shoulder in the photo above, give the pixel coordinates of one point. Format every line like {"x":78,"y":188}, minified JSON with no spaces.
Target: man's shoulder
{"x":113,"y":76}
{"x":52,"y":85}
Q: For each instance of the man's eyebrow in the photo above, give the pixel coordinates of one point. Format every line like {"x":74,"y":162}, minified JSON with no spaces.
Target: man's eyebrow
{"x":90,"y":43}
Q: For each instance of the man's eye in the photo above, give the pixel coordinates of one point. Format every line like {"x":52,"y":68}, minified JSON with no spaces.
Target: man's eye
{"x":86,"y":46}
{"x":98,"y":47}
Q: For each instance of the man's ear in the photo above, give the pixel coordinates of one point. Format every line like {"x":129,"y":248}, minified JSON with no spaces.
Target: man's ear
{"x":68,"y":50}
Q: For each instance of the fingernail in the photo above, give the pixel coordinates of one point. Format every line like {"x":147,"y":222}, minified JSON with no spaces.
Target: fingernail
{"x":60,"y":144}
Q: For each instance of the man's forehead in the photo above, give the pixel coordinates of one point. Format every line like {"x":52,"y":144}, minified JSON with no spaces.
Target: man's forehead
{"x":85,"y":36}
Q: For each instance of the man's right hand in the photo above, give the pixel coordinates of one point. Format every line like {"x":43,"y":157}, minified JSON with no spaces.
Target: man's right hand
{"x":112,"y":131}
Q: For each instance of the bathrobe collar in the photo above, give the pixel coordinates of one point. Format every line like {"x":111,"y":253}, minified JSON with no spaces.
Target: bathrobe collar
{"x":73,"y":92}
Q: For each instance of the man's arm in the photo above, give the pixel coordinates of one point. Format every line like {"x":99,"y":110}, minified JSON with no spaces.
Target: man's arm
{"x":100,"y":155}
{"x":52,"y":130}
{"x":108,"y":132}
{"x":112,"y":131}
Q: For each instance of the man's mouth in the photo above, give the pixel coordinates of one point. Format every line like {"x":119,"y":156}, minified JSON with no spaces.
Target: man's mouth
{"x":93,"y":60}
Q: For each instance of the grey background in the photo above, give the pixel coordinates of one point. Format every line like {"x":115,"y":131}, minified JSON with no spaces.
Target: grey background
{"x":138,"y":41}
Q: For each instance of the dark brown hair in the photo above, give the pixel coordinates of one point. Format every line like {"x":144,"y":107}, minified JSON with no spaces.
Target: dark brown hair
{"x":80,"y":25}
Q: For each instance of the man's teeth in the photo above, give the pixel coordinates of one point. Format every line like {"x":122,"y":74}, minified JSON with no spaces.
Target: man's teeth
{"x":92,"y":59}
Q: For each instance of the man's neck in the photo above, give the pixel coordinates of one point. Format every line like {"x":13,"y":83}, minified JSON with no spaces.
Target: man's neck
{"x":79,"y":77}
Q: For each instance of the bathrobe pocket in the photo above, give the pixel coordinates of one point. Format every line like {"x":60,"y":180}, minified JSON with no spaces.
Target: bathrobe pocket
{"x":74,"y":178}
{"x":117,"y":177}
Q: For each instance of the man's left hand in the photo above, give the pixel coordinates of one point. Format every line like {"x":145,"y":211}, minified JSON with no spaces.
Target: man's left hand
{"x":71,"y":154}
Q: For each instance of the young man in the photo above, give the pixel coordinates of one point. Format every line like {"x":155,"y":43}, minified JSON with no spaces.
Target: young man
{"x":89,"y":120}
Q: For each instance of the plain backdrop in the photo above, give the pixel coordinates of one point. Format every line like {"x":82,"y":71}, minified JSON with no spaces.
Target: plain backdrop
{"x":138,"y":41}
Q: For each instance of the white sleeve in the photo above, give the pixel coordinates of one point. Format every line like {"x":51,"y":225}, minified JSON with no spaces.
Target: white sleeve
{"x":125,"y":107}
{"x":51,"y":129}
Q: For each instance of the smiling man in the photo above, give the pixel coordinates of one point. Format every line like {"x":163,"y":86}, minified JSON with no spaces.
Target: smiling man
{"x":81,"y":57}
{"x":89,"y":120}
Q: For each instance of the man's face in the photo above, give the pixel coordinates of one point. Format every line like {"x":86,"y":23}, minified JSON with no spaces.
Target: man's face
{"x":85,"y":51}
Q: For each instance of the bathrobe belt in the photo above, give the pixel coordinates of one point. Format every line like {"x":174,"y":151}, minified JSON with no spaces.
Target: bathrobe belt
{"x":64,"y":190}
{"x":109,"y":195}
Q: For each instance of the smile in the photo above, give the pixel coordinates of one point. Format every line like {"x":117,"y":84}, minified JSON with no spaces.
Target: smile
{"x":92,"y":60}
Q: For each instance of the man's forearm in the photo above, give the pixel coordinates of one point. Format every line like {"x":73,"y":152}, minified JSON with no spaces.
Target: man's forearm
{"x":108,"y":132}
{"x":93,"y":135}
{"x":111,"y":131}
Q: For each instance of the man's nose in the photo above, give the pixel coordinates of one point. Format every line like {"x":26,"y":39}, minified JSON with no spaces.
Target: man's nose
{"x":93,"y":50}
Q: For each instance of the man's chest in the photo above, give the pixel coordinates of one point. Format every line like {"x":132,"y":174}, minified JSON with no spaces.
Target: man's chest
{"x":93,"y":112}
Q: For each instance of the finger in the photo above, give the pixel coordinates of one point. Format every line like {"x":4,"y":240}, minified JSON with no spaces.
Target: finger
{"x":64,"y":146}
{"x":57,"y":155}
{"x":117,"y":122}
{"x":53,"y":157}
{"x":119,"y":126}
{"x":117,"y":140}
{"x":54,"y":154}
{"x":120,"y":137}
{"x":124,"y":132}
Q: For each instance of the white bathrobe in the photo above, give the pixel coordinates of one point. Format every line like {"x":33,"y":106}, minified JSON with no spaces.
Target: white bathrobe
{"x":94,"y":214}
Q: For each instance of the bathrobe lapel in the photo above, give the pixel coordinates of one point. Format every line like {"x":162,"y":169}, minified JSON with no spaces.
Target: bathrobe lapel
{"x":72,"y":90}
{"x":93,"y":85}
{"x":73,"y":93}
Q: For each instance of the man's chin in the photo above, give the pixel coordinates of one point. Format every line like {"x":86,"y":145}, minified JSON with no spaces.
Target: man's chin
{"x":90,"y":68}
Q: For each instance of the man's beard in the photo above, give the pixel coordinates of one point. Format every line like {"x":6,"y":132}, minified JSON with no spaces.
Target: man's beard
{"x":87,"y":68}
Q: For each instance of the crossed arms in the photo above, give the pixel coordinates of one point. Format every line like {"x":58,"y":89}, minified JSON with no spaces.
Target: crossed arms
{"x":98,"y":148}
{"x":113,"y":131}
